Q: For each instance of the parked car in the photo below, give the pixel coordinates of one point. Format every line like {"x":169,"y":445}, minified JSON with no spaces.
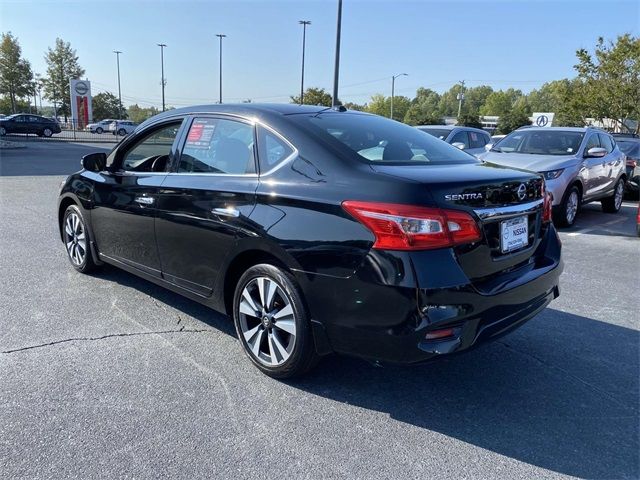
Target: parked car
{"x":630,"y":146}
{"x":471,"y":140}
{"x":638,"y":221}
{"x":27,"y":123}
{"x":101,"y":126}
{"x":579,"y":165}
{"x":122,"y":127}
{"x":494,"y":140}
{"x":271,"y":214}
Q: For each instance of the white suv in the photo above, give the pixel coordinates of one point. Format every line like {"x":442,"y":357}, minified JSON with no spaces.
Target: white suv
{"x":122,"y":127}
{"x":101,"y":126}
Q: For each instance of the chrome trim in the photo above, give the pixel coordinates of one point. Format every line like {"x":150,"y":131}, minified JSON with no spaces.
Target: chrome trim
{"x":508,"y":211}
{"x":144,"y":200}
{"x":226,"y":212}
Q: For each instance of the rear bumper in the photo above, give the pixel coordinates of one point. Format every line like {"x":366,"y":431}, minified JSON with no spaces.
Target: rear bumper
{"x":384,"y":311}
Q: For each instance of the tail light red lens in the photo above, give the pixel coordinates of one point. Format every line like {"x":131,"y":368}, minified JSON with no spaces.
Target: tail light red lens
{"x":407,"y":227}
{"x":547,"y":204}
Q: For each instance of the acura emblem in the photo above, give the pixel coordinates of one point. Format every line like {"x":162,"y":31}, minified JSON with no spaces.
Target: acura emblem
{"x":522,"y":191}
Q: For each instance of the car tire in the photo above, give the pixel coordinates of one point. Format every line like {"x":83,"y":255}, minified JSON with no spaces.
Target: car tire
{"x":565,"y":215}
{"x":122,"y":132}
{"x":277,"y":337}
{"x":76,"y":240}
{"x":99,"y":130}
{"x":3,"y":131}
{"x":47,"y":132}
{"x":613,"y":203}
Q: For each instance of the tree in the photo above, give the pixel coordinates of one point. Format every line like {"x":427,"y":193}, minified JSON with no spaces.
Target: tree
{"x":381,"y":105}
{"x":424,"y":108}
{"x":355,"y":106}
{"x":611,"y":79}
{"x":62,"y":65}
{"x":7,"y":107}
{"x":139,"y":114}
{"x":416,"y":116}
{"x":475,"y":98}
{"x":469,"y":120}
{"x":106,"y":105}
{"x":314,"y":96}
{"x":448,"y":105}
{"x":16,"y":76}
{"x":500,"y":102}
{"x":512,"y":120}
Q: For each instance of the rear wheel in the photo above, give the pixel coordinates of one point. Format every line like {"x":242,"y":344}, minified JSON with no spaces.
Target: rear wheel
{"x":3,"y":131}
{"x":47,"y":132}
{"x":272,"y":323}
{"x":76,"y":240}
{"x":565,"y":216}
{"x":613,"y":203}
{"x":122,"y":132}
{"x":99,"y":130}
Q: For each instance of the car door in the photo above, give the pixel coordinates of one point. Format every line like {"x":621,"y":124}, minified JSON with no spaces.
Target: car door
{"x":125,"y":198}
{"x":594,"y":168}
{"x":613,"y":162}
{"x":21,"y":124}
{"x":206,"y":201}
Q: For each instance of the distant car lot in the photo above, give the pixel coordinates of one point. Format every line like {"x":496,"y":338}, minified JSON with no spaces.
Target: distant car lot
{"x":136,"y":381}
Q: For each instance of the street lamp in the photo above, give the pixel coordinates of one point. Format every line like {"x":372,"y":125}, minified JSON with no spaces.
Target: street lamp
{"x":162,"y":79}
{"x":220,"y":36}
{"x":336,"y":67}
{"x":393,"y":87}
{"x":118,"y":52}
{"x":304,"y":24}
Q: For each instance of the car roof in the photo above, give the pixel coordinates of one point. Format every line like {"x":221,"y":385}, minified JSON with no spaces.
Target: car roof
{"x":451,"y":127}
{"x":561,"y":129}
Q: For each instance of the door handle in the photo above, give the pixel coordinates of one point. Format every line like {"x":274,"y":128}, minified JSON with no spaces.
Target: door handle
{"x":226,"y":212}
{"x":144,"y":200}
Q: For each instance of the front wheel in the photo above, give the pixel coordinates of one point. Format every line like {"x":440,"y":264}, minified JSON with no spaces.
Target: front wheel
{"x":99,"y":130}
{"x":272,"y":323}
{"x":3,"y":131}
{"x":76,"y":240}
{"x":567,"y":211}
{"x":122,"y":132}
{"x":613,"y":203}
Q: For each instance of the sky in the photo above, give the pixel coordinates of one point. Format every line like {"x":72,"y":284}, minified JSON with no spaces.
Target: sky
{"x":516,"y":43}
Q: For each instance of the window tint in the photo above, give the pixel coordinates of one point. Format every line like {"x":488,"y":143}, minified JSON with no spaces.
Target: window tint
{"x":477,"y":140}
{"x":151,"y":154}
{"x":218,"y":146}
{"x":460,"y":137}
{"x":440,"y":133}
{"x":605,"y":141}
{"x":21,"y":118}
{"x":541,"y":142}
{"x":272,"y":148}
{"x":592,"y":142}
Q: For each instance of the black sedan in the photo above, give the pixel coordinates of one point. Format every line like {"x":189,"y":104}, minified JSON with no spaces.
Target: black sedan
{"x":24,"y":123}
{"x":319,"y":230}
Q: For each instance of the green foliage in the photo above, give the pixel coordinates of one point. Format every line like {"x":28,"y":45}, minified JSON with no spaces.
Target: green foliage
{"x":500,"y":102}
{"x":16,"y":77}
{"x":7,"y":108}
{"x":139,"y":114}
{"x":512,"y":120}
{"x":106,"y":105}
{"x":416,"y":116}
{"x":469,"y":120}
{"x":475,"y":98}
{"x":314,"y":96}
{"x":62,"y":65}
{"x":611,"y":79}
{"x":381,"y":105}
{"x":424,"y":108}
{"x":355,"y":106}
{"x":448,"y":105}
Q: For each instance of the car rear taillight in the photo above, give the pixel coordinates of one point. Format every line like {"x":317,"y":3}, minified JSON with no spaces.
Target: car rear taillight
{"x":547,"y":204}
{"x":406,"y":227}
{"x":632,"y":162}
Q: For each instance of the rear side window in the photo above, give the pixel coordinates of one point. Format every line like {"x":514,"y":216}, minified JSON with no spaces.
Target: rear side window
{"x":218,"y":146}
{"x":606,"y":142}
{"x":477,"y":140}
{"x":460,"y":137}
{"x":272,"y":149}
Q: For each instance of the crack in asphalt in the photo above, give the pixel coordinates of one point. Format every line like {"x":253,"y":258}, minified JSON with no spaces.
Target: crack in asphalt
{"x":111,"y":335}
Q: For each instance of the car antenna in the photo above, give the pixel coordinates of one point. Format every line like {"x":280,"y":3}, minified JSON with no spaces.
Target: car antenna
{"x":337,"y":108}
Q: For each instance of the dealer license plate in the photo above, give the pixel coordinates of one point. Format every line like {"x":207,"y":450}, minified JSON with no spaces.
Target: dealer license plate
{"x":514,"y":234}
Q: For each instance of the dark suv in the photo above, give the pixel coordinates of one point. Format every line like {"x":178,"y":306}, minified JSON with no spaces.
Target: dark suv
{"x":24,"y":123}
{"x":319,"y":230}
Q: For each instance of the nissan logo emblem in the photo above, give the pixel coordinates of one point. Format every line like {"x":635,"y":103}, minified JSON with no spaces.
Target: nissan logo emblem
{"x":81,"y":88}
{"x":522,"y":191}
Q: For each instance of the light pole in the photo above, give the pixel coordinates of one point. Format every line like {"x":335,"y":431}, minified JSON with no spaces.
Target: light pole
{"x":162,"y":80}
{"x":304,"y":24}
{"x":336,"y":68}
{"x":460,"y":98}
{"x":220,"y":36}
{"x":118,"y":52}
{"x":393,"y":88}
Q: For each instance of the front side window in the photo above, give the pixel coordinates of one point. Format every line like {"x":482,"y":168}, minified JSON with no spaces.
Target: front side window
{"x":541,"y":142}
{"x":21,"y":118}
{"x":592,"y":142}
{"x":605,"y":141}
{"x":151,"y":153}
{"x":441,"y":133}
{"x":218,"y":146}
{"x":375,"y":139}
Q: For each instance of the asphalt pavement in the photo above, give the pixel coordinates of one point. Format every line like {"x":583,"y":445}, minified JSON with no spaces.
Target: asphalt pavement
{"x":107,"y":375}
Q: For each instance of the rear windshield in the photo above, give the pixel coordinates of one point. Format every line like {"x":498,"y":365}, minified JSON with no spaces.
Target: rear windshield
{"x":379,"y":140}
{"x":440,"y":133}
{"x":539,"y":142}
{"x":629,"y":148}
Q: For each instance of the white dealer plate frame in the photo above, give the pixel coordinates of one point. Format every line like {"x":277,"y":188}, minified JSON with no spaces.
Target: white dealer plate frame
{"x":514,"y":234}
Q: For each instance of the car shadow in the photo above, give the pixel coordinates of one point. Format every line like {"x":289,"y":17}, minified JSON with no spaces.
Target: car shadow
{"x":561,"y":393}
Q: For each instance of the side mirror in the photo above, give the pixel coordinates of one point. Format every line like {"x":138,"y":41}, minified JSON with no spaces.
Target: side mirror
{"x":94,"y":162}
{"x":488,"y":146}
{"x":459,"y":145}
{"x":596,"y":152}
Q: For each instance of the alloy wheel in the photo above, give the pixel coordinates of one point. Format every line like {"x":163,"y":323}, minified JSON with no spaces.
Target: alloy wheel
{"x":618,"y":195}
{"x":3,"y":131}
{"x":572,"y":207}
{"x":267,"y":321}
{"x":47,"y":132}
{"x":75,"y":239}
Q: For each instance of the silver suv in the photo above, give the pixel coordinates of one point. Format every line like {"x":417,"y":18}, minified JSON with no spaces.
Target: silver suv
{"x":471,"y":140}
{"x":579,"y":165}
